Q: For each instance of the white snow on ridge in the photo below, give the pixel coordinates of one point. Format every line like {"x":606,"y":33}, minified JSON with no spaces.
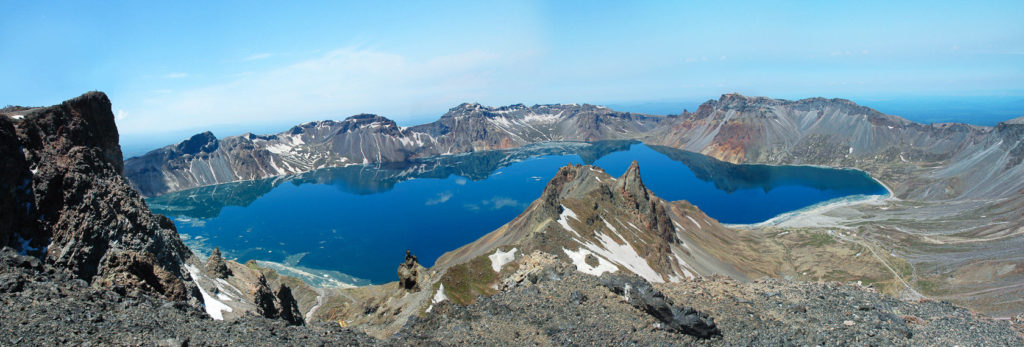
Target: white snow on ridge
{"x":625,"y":255}
{"x":609,"y":225}
{"x":566,"y":212}
{"x":683,"y":265}
{"x":541,"y":118}
{"x":695,"y":222}
{"x":499,"y":258}
{"x":213,"y":307}
{"x":579,"y":258}
{"x":279,"y":148}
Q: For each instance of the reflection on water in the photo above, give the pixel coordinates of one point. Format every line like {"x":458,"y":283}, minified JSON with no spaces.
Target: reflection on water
{"x":358,"y":220}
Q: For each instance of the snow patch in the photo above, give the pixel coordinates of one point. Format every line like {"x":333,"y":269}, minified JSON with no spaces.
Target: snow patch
{"x":566,"y":212}
{"x":499,"y":258}
{"x":609,"y":225}
{"x":541,"y":118}
{"x":625,"y":255}
{"x":213,"y":307}
{"x":579,"y":258}
{"x":438,"y":297}
{"x":279,"y":148}
{"x":695,"y":222}
{"x":18,"y":117}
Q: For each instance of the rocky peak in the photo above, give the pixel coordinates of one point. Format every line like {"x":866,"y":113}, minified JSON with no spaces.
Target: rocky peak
{"x":366,"y":120}
{"x":204,"y":142}
{"x":76,"y":210}
{"x":630,"y":183}
{"x":409,"y":273}
{"x":637,"y":199}
{"x":85,"y":121}
{"x":215,"y":265}
{"x":557,"y":186}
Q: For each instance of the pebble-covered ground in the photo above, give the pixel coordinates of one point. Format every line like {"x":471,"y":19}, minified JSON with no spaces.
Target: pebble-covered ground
{"x":568,"y":308}
{"x":42,"y":306}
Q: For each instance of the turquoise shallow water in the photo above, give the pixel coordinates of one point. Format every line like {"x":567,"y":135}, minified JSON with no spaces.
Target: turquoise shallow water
{"x":358,"y":220}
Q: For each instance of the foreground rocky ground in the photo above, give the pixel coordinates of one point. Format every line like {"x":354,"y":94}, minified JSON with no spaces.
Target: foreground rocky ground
{"x":41,"y":305}
{"x":44,"y":306}
{"x":565,"y":307}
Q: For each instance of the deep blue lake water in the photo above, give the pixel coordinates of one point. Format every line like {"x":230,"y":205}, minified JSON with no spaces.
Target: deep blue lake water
{"x":358,"y":220}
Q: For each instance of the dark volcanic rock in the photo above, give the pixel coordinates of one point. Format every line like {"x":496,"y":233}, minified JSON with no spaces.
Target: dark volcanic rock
{"x":15,"y":188}
{"x":80,"y":211}
{"x":287,"y":306}
{"x":639,"y":293}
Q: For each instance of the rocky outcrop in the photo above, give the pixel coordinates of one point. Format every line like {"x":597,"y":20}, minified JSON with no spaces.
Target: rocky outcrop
{"x":640,"y":294}
{"x":215,"y":265}
{"x":408,"y":273}
{"x":287,"y":306}
{"x":63,"y":171}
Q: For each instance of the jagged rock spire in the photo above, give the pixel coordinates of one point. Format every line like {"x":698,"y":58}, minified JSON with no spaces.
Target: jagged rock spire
{"x":215,"y":265}
{"x":287,"y":306}
{"x":408,"y":273}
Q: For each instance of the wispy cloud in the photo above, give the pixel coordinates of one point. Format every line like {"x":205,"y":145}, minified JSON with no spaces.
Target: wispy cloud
{"x":335,"y":85}
{"x":174,"y":75}
{"x":258,"y":56}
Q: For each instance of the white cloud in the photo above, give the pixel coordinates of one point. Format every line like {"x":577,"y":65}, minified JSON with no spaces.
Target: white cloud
{"x":121,"y":115}
{"x":335,"y":85}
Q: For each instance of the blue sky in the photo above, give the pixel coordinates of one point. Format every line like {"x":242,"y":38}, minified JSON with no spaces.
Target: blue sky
{"x":178,"y":67}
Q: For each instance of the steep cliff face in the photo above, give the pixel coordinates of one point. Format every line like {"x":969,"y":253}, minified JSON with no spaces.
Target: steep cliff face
{"x":362,"y":139}
{"x":63,"y":172}
{"x":920,"y":161}
{"x":818,"y":131}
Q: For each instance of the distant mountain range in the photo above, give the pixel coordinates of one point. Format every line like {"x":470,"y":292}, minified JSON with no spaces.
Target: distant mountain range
{"x":363,"y":139}
{"x":735,"y":128}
